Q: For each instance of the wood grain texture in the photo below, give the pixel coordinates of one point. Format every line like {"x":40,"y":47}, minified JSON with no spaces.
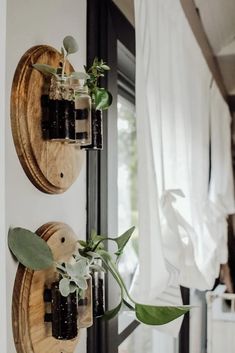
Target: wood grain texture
{"x":51,"y":166}
{"x":31,"y":333}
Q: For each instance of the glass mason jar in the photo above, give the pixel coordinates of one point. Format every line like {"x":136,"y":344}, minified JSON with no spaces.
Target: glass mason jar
{"x":64,"y":314}
{"x":98,"y":291}
{"x":61,"y":110}
{"x":82,"y":112}
{"x":96,"y":131}
{"x":85,"y":307}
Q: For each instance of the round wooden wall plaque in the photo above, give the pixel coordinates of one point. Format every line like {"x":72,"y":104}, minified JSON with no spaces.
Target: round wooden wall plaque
{"x":31,"y":333}
{"x":51,"y":166}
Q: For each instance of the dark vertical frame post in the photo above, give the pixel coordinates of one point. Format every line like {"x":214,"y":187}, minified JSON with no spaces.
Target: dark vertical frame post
{"x":105,"y":26}
{"x":96,"y":46}
{"x":184,"y":332}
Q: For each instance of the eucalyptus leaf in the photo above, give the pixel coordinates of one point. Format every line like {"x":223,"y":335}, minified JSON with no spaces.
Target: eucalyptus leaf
{"x":80,"y":282}
{"x":64,"y":287}
{"x":79,"y":268}
{"x":110,"y":314}
{"x":158,"y":315}
{"x":122,"y":240}
{"x":97,"y":268}
{"x":29,"y":249}
{"x":70,"y":45}
{"x":45,"y":69}
{"x":80,"y":75}
{"x":70,"y":270}
{"x":72,"y":287}
{"x":62,"y":51}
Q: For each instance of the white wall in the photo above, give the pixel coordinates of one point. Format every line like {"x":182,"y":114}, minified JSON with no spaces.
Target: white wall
{"x":31,"y":23}
{"x":3,"y":327}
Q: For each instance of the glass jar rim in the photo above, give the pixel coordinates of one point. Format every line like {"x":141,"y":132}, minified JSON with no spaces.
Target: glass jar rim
{"x":61,"y":78}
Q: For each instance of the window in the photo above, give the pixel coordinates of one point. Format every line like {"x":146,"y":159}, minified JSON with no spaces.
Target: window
{"x":112,"y":173}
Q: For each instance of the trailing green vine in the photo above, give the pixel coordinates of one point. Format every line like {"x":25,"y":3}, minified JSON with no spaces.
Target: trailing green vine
{"x":34,"y":253}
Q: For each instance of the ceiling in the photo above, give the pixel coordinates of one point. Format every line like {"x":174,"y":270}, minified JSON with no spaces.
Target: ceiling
{"x":218,"y":19}
{"x":127,"y":7}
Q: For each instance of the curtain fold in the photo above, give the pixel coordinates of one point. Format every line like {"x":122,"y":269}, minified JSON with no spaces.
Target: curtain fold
{"x":182,"y":219}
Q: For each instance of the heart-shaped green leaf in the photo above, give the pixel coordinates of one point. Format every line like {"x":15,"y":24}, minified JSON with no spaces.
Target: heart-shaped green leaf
{"x":110,"y":101}
{"x":29,"y":249}
{"x":45,"y":69}
{"x":110,"y":314}
{"x":158,"y":315}
{"x":70,"y":45}
{"x":103,"y":99}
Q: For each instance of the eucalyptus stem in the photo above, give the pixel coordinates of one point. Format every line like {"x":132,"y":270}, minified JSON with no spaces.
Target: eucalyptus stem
{"x":63,"y":67}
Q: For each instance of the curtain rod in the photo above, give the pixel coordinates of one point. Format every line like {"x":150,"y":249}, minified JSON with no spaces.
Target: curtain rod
{"x":196,"y":25}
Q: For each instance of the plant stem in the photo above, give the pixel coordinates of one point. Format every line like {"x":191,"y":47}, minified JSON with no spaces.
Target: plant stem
{"x":64,"y":63}
{"x":113,"y":274}
{"x":112,"y":265}
{"x":128,"y":305}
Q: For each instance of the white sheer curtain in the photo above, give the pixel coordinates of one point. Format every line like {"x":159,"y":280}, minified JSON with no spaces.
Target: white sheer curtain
{"x":182,"y":225}
{"x":221,"y":193}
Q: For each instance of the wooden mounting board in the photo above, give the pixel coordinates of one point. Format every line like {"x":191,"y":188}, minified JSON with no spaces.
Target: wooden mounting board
{"x":31,"y":333}
{"x":51,"y":166}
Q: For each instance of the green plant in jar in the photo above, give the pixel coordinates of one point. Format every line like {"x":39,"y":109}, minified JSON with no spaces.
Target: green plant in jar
{"x":34,"y":253}
{"x":101,"y":98}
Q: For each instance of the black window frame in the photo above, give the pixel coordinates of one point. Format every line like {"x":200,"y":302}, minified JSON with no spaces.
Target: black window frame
{"x":105,"y":26}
